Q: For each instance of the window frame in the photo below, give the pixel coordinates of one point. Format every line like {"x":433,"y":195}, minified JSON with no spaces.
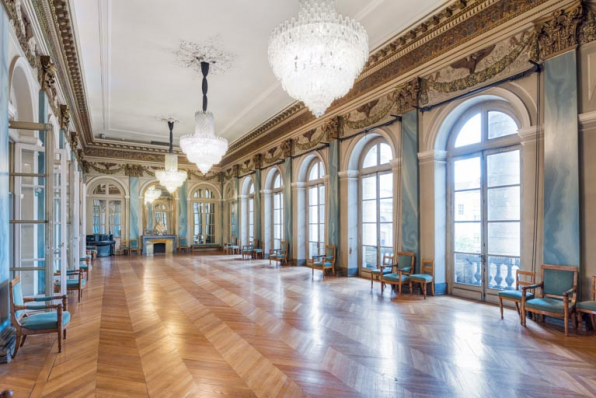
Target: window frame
{"x":200,"y":206}
{"x":317,"y":184}
{"x":277,"y":192}
{"x":108,"y":199}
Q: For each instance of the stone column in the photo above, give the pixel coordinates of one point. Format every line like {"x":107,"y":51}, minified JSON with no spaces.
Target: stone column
{"x":135,"y":208}
{"x":267,"y":221}
{"x":243,"y":219}
{"x":348,"y":254}
{"x":183,"y":219}
{"x":433,"y":213}
{"x":409,"y":220}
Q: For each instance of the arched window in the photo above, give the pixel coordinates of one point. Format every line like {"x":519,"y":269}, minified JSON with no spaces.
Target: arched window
{"x":376,"y":198}
{"x":484,"y":180}
{"x":204,"y":215}
{"x":106,"y":200}
{"x":315,"y":209}
{"x":231,"y":214}
{"x":251,"y":212}
{"x":278,"y":210}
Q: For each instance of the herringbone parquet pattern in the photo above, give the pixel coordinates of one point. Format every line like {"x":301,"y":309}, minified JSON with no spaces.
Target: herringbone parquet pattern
{"x":219,"y":326}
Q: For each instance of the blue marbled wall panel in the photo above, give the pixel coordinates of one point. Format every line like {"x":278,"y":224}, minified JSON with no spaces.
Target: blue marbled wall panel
{"x":410,"y":214}
{"x":287,"y":179}
{"x":333,"y":195}
{"x":135,"y":208}
{"x":235,"y":222}
{"x":183,"y":210}
{"x":4,"y":178}
{"x":258,"y":219}
{"x":561,"y":169}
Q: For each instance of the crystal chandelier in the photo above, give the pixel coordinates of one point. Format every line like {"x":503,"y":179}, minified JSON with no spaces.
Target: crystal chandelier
{"x":152,"y":194}
{"x":171,"y":177}
{"x":203,"y":147}
{"x":318,"y":56}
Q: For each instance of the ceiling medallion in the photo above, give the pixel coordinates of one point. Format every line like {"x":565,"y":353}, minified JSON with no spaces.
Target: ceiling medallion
{"x":318,"y":56}
{"x":203,"y":147}
{"x":152,"y":194}
{"x":171,"y":177}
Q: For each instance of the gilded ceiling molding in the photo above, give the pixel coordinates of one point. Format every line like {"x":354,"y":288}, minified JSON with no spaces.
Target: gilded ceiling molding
{"x":560,"y":31}
{"x":209,"y":177}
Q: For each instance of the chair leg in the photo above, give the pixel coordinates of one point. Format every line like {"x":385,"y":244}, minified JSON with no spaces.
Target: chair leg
{"x":371,"y":280}
{"x":64,"y":334}
{"x":80,"y":294}
{"x":382,"y":286}
{"x":399,"y":287}
{"x":424,"y":290}
{"x":501,"y":306}
{"x":313,"y":273}
{"x":23,"y":341}
{"x":411,"y":289}
{"x":517,"y":307}
{"x":566,"y":324}
{"x":17,"y":344}
{"x":432,"y":288}
{"x":59,"y":340}
{"x":593,"y":320}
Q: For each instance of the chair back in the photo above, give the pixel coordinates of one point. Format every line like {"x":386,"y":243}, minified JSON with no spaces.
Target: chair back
{"x":406,"y":261}
{"x":524,"y":278}
{"x":123,"y":243}
{"x":134,"y":243}
{"x":594,"y":288}
{"x":557,"y":279}
{"x":330,"y":251}
{"x":16,"y":298}
{"x":427,"y":267}
{"x":283,"y":247}
{"x":387,"y":260}
{"x":183,"y":242}
{"x":255,"y":243}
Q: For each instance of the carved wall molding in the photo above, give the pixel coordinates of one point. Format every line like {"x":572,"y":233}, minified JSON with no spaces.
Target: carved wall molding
{"x":23,"y":29}
{"x":560,"y":31}
{"x":64,"y":117}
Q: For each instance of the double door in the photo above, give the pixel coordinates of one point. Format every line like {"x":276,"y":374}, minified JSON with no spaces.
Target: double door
{"x":485,"y":217}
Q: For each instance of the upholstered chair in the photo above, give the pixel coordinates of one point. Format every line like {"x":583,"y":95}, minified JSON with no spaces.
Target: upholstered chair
{"x":588,"y":308}
{"x":400,"y":271}
{"x":522,"y":278}
{"x":324,"y":262}
{"x":426,"y":276}
{"x":386,"y":264}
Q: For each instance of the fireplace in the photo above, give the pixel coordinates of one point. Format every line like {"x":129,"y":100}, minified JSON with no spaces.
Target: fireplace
{"x":159,"y":248}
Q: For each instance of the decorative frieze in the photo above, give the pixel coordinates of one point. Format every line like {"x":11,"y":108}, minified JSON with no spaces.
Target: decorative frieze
{"x":560,"y":32}
{"x":287,"y":148}
{"x":21,"y":24}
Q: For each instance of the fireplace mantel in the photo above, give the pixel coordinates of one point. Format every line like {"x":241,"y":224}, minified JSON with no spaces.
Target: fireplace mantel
{"x":149,"y":240}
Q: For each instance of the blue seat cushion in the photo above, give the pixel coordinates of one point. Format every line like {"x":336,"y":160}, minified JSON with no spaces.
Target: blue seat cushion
{"x":258,"y":250}
{"x":46,"y":320}
{"x":74,"y":283}
{"x":320,"y":264}
{"x":395,"y":278}
{"x":83,"y":266}
{"x":587,"y":305}
{"x":421,"y":278}
{"x":515,"y":295}
{"x":546,"y":304}
{"x":386,"y":270}
{"x":278,"y":256}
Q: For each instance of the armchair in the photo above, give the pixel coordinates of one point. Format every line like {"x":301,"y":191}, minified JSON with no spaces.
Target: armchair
{"x":385,"y":265}
{"x":134,"y":247}
{"x":85,"y":265}
{"x":279,"y":255}
{"x":588,"y":307}
{"x":232,"y":247}
{"x":247,"y":251}
{"x":426,"y":276}
{"x":183,"y":245}
{"x":39,"y":323}
{"x":516,"y":295}
{"x":77,"y":283}
{"x":324,"y":262}
{"x":124,"y":248}
{"x":558,"y":294}
{"x":400,"y":272}
{"x":257,"y":249}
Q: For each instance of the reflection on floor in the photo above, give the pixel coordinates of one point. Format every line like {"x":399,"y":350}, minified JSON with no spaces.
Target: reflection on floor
{"x":219,"y":326}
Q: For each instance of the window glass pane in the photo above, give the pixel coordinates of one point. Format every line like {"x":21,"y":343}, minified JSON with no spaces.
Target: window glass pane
{"x":503,"y":238}
{"x":503,"y":168}
{"x":277,"y":181}
{"x":322,"y":213}
{"x":471,"y":132}
{"x":313,"y":197}
{"x":251,"y":188}
{"x":501,"y":272}
{"x":314,"y":172}
{"x":113,"y":190}
{"x":312,"y":215}
{"x":313,"y":232}
{"x":467,"y":237}
{"x":386,"y":210}
{"x":100,"y":189}
{"x":322,"y":233}
{"x":467,"y":206}
{"x":369,"y":187}
{"x":504,"y":204}
{"x":467,"y":269}
{"x":500,"y":125}
{"x":369,"y":211}
{"x":386,"y":185}
{"x":386,"y":154}
{"x":369,"y":234}
{"x":372,"y":157}
{"x":369,"y":257}
{"x":467,"y":173}
{"x":386,"y":238}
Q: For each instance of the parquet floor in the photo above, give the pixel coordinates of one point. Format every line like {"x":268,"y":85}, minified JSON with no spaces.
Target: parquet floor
{"x":217,"y":326}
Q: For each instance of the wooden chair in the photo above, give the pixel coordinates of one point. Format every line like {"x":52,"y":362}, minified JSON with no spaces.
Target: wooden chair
{"x":386,"y":264}
{"x":400,"y":271}
{"x":247,"y":251}
{"x":133,"y":247}
{"x":257,"y":249}
{"x":279,"y":255}
{"x":588,"y":308}
{"x":76,"y":282}
{"x":516,"y":295}
{"x":324,"y":262}
{"x":232,"y":247}
{"x":124,"y":248}
{"x":426,"y":276}
{"x":37,"y":323}
{"x":558,"y":287}
{"x":183,"y":245}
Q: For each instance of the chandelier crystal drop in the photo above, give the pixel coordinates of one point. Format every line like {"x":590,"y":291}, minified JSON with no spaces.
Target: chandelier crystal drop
{"x":318,"y":56}
{"x":152,"y":194}
{"x":204,"y":148}
{"x":171,"y":178}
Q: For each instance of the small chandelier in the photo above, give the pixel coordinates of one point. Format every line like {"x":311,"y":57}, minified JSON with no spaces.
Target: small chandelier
{"x":318,"y":56}
{"x":152,"y":194}
{"x":171,"y":177}
{"x":203,"y":147}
